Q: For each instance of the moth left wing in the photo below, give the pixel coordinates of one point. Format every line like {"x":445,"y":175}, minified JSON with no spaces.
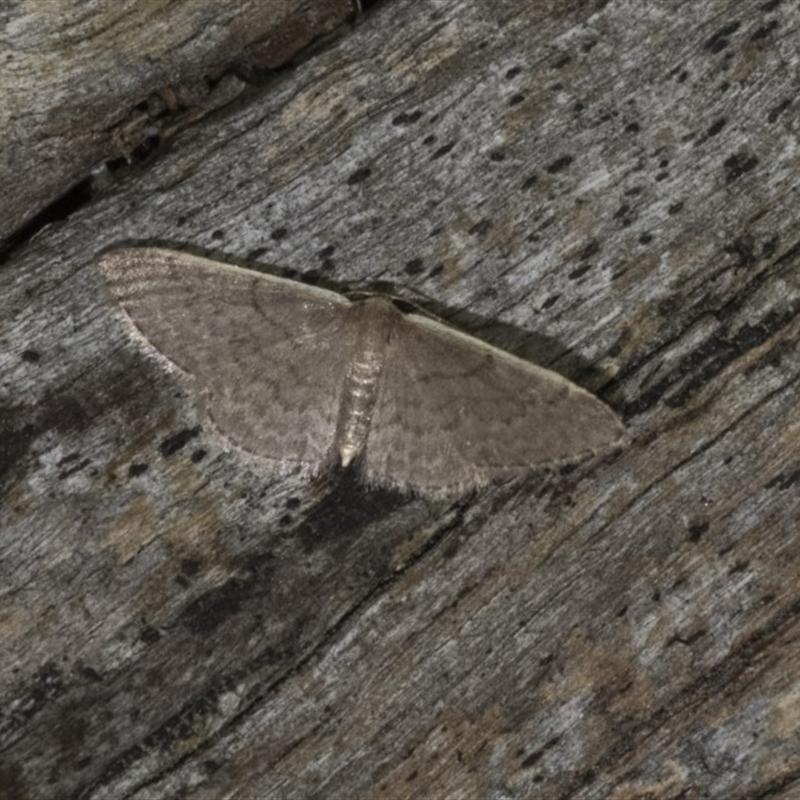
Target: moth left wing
{"x":267,"y":355}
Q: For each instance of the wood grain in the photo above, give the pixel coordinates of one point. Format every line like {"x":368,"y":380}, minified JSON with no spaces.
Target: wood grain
{"x":82,"y":86}
{"x":609,"y":189}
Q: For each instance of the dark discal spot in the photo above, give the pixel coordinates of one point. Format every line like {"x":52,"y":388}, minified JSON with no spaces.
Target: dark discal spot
{"x":645,"y":238}
{"x":562,"y":61}
{"x":178,"y":440}
{"x":31,"y":356}
{"x":497,"y":155}
{"x":278,"y":234}
{"x":512,"y":72}
{"x":675,"y":208}
{"x":217,"y":235}
{"x":562,"y":162}
{"x":716,"y":127}
{"x":285,"y":520}
{"x":737,"y":164}
{"x":437,"y":270}
{"x":326,"y":251}
{"x":414,"y":267}
{"x":134,"y":470}
{"x":198,"y":455}
{"x":516,"y":99}
{"x":214,"y":607}
{"x":359,"y":176}
{"x":632,"y":127}
{"x":719,"y":41}
{"x":443,"y":150}
{"x":529,"y":181}
{"x":293,"y":502}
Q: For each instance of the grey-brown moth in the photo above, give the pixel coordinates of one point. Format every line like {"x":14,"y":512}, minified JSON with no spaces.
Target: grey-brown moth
{"x":306,"y":378}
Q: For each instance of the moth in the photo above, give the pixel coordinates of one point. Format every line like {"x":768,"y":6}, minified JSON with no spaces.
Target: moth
{"x":307,"y":379}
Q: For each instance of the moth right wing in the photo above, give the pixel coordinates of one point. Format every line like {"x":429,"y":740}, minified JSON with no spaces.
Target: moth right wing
{"x":267,"y":355}
{"x":454,"y":413}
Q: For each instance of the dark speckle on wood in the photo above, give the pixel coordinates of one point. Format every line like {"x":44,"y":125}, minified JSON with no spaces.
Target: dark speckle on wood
{"x":178,"y":441}
{"x":719,"y":41}
{"x":737,"y":165}
{"x":561,"y":163}
{"x":359,"y":176}
{"x":443,"y":150}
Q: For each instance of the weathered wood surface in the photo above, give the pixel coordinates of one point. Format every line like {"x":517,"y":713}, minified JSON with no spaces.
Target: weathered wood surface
{"x":612,"y":190}
{"x":80,"y":85}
